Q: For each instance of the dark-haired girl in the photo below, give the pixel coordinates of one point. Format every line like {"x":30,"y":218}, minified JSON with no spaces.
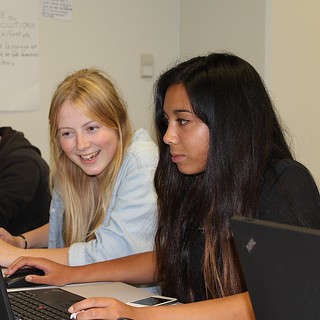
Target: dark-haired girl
{"x":222,"y":153}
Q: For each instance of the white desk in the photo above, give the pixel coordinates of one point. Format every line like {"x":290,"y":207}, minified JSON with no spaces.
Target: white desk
{"x":118,"y":290}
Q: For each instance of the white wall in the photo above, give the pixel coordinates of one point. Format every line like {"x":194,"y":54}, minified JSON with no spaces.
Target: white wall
{"x":109,"y":35}
{"x":228,"y":25}
{"x":280,"y":38}
{"x":292,"y":61}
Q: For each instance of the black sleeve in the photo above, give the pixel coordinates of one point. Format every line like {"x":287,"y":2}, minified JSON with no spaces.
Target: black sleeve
{"x":290,"y":195}
{"x":19,"y":181}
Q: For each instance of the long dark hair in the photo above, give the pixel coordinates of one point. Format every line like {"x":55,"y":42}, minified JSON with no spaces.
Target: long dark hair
{"x":228,"y":95}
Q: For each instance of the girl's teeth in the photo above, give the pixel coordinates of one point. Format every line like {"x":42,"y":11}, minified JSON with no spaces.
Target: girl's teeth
{"x":89,"y":157}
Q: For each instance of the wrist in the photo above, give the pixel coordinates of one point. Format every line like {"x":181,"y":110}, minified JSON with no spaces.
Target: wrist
{"x":23,"y":243}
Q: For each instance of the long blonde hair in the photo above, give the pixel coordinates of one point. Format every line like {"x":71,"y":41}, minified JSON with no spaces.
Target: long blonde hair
{"x":85,"y":197}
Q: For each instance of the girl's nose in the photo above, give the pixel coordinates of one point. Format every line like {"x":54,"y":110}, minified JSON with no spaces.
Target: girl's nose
{"x":170,"y":137}
{"x":82,"y":142}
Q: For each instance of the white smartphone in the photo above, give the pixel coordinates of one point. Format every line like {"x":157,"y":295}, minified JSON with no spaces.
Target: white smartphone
{"x":153,"y":301}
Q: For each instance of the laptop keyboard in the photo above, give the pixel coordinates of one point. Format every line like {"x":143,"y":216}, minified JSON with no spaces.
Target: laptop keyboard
{"x":26,"y":306}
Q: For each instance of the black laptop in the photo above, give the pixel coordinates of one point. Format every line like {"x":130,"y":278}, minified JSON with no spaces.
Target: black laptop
{"x":45,"y":303}
{"x":281,"y":266}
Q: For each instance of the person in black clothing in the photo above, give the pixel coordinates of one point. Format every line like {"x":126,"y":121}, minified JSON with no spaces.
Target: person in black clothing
{"x":24,"y":184}
{"x":223,"y":153}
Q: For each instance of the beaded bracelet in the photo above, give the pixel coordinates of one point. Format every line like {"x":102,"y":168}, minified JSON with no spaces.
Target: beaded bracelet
{"x":25,"y":241}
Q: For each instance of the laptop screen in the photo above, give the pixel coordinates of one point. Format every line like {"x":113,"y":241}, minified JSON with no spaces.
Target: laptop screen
{"x":6,"y":311}
{"x":281,"y":267}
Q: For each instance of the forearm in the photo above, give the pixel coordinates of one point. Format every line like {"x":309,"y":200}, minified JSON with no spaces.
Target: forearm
{"x":134,"y":269}
{"x":236,"y":307}
{"x":10,"y":253}
{"x":37,"y":238}
{"x":59,"y":255}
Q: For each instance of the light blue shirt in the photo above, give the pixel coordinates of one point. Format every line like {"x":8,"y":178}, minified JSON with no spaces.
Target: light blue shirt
{"x":129,"y":226}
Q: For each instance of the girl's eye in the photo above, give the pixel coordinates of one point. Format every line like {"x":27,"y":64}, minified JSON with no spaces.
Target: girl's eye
{"x":182,"y":121}
{"x":66,"y":133}
{"x":92,"y":128}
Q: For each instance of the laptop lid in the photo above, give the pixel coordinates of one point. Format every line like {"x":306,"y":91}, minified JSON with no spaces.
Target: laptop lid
{"x":281,"y":267}
{"x":5,"y":307}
